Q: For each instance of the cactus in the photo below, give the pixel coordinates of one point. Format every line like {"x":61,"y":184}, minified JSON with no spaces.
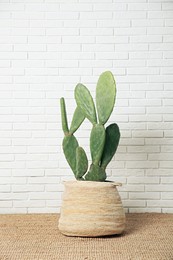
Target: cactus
{"x":97,"y":141}
{"x":95,"y":173}
{"x":64,"y":116}
{"x":85,"y":102}
{"x":105,"y":96}
{"x":103,"y":143}
{"x":69,"y":146}
{"x":111,"y":144}
{"x":81,"y":162}
{"x":77,"y":120}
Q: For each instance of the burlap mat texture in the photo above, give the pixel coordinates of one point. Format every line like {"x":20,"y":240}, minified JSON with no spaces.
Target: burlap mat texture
{"x":36,"y":237}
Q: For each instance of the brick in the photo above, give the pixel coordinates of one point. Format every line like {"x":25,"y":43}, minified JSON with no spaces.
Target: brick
{"x":167,"y":164}
{"x":144,"y":210}
{"x":141,"y":71}
{"x":5,"y":126}
{"x":5,"y":188}
{"x":96,"y":31}
{"x":146,"y":86}
{"x":147,"y":133}
{"x":82,"y":7}
{"x":98,"y":48}
{"x":4,"y":63}
{"x":160,"y":203}
{"x":62,"y":31}
{"x":6,"y":204}
{"x":12,"y":180}
{"x":167,"y":210}
{"x":160,"y":46}
{"x":144,"y":195}
{"x":130,"y":14}
{"x":111,"y":39}
{"x":143,"y":180}
{"x":131,"y":157}
{"x":28,"y":188}
{"x":28,"y":63}
{"x":13,"y":40}
{"x":61,"y":15}
{"x":169,"y":22}
{"x":147,"y":23}
{"x":110,"y":7}
{"x":113,"y":23}
{"x":160,"y":125}
{"x":167,"y":195}
{"x":12,"y":7}
{"x":153,"y":141}
{"x":160,"y":14}
{"x":134,"y":187}
{"x":160,"y":30}
{"x":30,"y":47}
{"x":167,"y":179}
{"x":78,"y":23}
{"x":53,"y":203}
{"x":132,"y":204}
{"x":146,"y":38}
{"x":27,"y":172}
{"x":44,"y":39}
{"x":132,"y":142}
{"x":96,"y":64}
{"x":167,"y":6}
{"x":30,"y":203}
{"x":45,"y":195}
{"x":45,"y":180}
{"x":161,"y":157}
{"x":144,"y":6}
{"x":158,"y":188}
{"x":6,"y":157}
{"x":129,"y":31}
{"x":13,"y":55}
{"x":78,"y":39}
{"x":142,"y":164}
{"x":95,"y":15}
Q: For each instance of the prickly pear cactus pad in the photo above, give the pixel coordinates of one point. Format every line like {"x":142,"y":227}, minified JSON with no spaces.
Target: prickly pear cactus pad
{"x":97,"y":141}
{"x":103,"y":142}
{"x":85,"y":102}
{"x":77,"y":120}
{"x":105,"y":96}
{"x":81,"y":162}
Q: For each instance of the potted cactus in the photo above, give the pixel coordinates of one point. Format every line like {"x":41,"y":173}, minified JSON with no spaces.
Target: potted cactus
{"x":91,"y":205}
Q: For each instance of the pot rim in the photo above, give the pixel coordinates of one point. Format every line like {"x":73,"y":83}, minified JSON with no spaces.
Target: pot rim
{"x":91,"y":183}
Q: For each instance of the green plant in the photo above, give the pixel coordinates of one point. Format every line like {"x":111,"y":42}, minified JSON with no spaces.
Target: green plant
{"x":103,"y":142}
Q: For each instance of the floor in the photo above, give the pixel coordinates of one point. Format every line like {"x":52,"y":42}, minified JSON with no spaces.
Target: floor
{"x":148,"y":236}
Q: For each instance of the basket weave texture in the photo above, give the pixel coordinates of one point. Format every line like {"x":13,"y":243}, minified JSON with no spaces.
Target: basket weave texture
{"x":91,"y":209}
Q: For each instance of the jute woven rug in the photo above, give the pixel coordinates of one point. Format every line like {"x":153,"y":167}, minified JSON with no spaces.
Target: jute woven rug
{"x":36,"y":237}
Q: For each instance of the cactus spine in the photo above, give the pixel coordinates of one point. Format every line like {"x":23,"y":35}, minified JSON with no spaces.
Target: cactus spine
{"x":103,"y":143}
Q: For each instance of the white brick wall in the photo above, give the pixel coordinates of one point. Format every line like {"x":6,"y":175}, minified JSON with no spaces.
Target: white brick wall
{"x":46,"y":48}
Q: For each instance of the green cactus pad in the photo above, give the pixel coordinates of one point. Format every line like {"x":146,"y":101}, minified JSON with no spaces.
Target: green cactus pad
{"x":81,"y":162}
{"x":64,"y":116}
{"x":111,"y":144}
{"x":97,"y":141}
{"x":78,"y":118}
{"x":105,"y":96}
{"x":69,"y":147}
{"x":85,"y":101}
{"x":95,"y":174}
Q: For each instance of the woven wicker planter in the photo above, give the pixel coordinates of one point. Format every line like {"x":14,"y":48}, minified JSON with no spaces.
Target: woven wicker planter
{"x":91,"y":209}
